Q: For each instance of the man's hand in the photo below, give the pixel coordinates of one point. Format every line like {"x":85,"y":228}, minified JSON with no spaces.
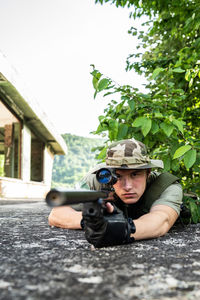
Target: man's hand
{"x":106,"y":227}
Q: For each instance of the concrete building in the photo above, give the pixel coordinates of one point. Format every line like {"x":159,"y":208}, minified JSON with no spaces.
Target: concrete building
{"x":28,"y":140}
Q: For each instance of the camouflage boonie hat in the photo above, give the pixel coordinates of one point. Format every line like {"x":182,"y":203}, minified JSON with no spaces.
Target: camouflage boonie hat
{"x":130,"y":154}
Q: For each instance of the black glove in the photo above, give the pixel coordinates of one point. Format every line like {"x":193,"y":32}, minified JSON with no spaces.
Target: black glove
{"x":106,"y":229}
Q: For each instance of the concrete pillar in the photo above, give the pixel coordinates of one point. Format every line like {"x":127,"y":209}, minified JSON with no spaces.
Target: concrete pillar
{"x":48,"y":166}
{"x":26,"y":154}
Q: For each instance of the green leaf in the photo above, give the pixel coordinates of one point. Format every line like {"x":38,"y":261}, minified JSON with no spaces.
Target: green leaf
{"x":178,"y":70}
{"x":119,"y":107}
{"x":191,"y":82}
{"x":131,"y":104}
{"x":190,"y":158}
{"x":167,"y":128}
{"x":102,"y":154}
{"x":154,"y":127}
{"x":113,"y":129}
{"x":158,"y":115}
{"x":175,"y":166}
{"x":95,"y":79}
{"x":146,"y":127}
{"x":122,"y":131}
{"x":188,"y":75}
{"x":101,"y":118}
{"x":167,"y":163}
{"x":156,"y":72}
{"x":101,"y":128}
{"x":144,"y":123}
{"x":122,"y":117}
{"x":181,"y":151}
{"x":178,"y":124}
{"x":103,"y":84}
{"x":194,"y":212}
{"x":138,"y":122}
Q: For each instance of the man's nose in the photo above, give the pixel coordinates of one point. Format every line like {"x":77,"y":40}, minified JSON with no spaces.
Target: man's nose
{"x":127,"y":183}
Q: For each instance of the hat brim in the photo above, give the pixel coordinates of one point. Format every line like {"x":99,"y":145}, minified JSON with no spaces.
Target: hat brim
{"x":153,"y":163}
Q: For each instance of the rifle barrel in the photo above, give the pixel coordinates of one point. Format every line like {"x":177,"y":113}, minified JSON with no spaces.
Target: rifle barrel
{"x":58,"y":197}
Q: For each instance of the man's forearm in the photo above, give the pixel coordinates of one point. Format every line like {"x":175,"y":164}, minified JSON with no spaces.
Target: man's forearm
{"x":65,"y":217}
{"x":154,"y":224}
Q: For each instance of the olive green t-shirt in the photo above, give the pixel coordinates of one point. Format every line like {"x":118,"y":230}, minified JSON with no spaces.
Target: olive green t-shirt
{"x":172,"y":195}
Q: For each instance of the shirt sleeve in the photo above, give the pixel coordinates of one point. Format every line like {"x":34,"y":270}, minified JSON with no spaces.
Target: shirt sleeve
{"x":171,"y":197}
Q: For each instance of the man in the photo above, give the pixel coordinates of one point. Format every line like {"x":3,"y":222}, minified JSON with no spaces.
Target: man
{"x":146,"y":204}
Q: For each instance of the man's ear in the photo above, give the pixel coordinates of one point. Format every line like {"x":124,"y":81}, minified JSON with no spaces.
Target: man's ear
{"x":148,"y":172}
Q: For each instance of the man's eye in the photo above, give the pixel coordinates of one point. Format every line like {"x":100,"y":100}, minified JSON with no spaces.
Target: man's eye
{"x":134,"y":174}
{"x":118,"y":176}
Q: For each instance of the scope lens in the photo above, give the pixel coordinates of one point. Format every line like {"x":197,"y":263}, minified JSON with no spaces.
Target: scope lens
{"x":104,"y":176}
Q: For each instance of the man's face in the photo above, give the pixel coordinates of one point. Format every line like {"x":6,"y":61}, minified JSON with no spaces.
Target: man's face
{"x":130,"y":185}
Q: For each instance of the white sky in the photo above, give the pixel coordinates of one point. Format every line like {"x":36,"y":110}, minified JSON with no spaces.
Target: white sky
{"x":52,"y":43}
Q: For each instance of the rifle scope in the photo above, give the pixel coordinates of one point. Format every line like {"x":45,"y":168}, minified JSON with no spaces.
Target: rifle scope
{"x":106,"y":176}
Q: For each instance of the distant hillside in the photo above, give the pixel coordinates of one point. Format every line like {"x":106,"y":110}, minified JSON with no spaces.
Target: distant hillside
{"x":69,"y":169}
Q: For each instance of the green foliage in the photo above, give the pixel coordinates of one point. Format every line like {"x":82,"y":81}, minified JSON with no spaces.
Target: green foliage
{"x":192,"y":203}
{"x":167,"y":117}
{"x":68,"y":170}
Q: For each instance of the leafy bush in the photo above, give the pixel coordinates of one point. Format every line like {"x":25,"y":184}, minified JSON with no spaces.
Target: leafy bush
{"x":167,"y":116}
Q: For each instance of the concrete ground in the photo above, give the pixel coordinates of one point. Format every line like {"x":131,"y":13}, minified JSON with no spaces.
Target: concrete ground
{"x":39,"y":262}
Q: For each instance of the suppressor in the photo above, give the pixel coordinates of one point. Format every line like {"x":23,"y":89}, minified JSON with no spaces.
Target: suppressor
{"x":58,"y":197}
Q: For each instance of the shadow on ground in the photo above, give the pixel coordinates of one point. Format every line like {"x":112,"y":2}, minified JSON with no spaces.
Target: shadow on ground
{"x":39,"y":262}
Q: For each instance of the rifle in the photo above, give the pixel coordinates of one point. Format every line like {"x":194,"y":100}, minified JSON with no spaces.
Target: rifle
{"x":93,"y":201}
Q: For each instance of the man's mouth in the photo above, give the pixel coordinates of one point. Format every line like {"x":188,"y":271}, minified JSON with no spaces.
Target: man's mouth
{"x":130,"y":195}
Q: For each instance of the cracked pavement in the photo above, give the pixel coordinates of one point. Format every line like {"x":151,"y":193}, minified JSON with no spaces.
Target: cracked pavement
{"x":40,"y":262}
